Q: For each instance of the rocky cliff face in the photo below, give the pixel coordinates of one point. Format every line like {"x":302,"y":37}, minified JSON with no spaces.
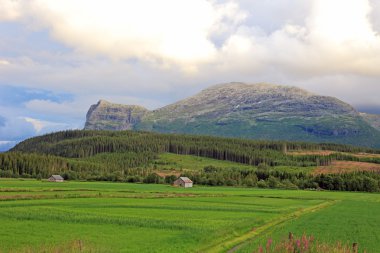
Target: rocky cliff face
{"x":108,"y":116}
{"x":256,"y":111}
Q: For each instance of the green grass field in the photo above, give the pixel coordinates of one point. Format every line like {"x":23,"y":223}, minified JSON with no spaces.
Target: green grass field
{"x":347,"y":221}
{"x":174,"y":163}
{"x":168,"y":161}
{"x":40,"y":216}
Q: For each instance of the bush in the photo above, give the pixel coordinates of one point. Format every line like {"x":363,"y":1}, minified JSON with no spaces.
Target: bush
{"x":250,"y":181}
{"x":262,"y":184}
{"x":273,"y":182}
{"x":287,"y":184}
{"x":211,"y":169}
{"x":263,"y":166}
{"x":153,"y":179}
{"x":370,"y":184}
{"x":170,"y":179}
{"x":39,"y":177}
{"x":134,"y":179}
{"x":6,"y":173}
{"x":231,"y":182}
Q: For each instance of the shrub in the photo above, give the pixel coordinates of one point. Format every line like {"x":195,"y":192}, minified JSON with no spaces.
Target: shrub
{"x":305,"y":244}
{"x":170,"y":179}
{"x":287,"y":184}
{"x":152,"y":179}
{"x":273,"y":182}
{"x":263,"y":166}
{"x":134,"y":179}
{"x":262,"y":184}
{"x":250,"y":181}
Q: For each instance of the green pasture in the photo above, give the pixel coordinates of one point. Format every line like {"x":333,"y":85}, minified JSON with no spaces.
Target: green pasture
{"x":168,"y":161}
{"x":119,"y":217}
{"x":347,"y":221}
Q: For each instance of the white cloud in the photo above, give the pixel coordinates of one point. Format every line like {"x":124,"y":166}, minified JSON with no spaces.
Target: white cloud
{"x":4,"y":62}
{"x":16,"y":129}
{"x":341,"y":21}
{"x":40,"y":125}
{"x":374,"y":15}
{"x":335,"y":36}
{"x":336,"y":39}
{"x":10,"y":10}
{"x":37,"y":124}
{"x":6,"y":145}
{"x":135,"y":52}
{"x":160,"y":32}
{"x":5,"y":142}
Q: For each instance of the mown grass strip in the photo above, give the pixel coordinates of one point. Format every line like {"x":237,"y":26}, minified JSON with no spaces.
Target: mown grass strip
{"x":102,"y":195}
{"x":234,"y":244}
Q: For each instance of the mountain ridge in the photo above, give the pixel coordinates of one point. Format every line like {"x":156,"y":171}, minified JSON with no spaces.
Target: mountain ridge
{"x":253,"y":111}
{"x":109,"y":116}
{"x":372,"y":119}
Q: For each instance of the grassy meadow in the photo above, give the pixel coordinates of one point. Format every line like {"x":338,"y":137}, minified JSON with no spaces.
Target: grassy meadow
{"x":38,"y":216}
{"x":168,"y":161}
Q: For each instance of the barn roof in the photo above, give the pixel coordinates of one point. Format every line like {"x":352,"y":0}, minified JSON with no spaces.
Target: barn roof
{"x":186,"y":179}
{"x":57,"y":177}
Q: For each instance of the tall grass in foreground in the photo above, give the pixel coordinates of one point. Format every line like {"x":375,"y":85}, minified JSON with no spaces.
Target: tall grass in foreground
{"x":305,"y":244}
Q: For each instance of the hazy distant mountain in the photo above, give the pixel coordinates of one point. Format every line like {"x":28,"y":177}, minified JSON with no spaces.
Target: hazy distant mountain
{"x":255,"y":111}
{"x":372,"y":119}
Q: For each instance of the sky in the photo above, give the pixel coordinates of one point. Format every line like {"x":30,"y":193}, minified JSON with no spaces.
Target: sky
{"x":59,"y":57}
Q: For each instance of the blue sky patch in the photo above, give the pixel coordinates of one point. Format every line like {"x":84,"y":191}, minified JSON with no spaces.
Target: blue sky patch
{"x":21,"y":40}
{"x":2,"y":121}
{"x":18,"y":95}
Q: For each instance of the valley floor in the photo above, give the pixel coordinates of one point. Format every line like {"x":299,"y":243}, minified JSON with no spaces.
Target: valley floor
{"x":40,"y":216}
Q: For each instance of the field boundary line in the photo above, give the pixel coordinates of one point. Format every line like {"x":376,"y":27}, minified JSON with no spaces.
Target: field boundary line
{"x":236,"y":243}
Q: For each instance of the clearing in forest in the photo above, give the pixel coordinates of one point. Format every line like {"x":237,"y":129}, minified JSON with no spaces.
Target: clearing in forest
{"x":340,"y":167}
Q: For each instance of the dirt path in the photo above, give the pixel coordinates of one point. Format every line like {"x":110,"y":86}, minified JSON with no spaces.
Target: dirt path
{"x":236,"y":243}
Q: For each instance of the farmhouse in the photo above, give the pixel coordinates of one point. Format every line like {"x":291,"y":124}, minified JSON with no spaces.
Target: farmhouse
{"x":183,"y":182}
{"x":56,"y":178}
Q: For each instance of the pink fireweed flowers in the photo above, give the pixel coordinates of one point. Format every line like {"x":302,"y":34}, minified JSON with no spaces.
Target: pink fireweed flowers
{"x":305,"y":244}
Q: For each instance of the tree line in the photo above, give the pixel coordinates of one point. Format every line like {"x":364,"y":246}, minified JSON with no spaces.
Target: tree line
{"x":83,"y":144}
{"x":126,"y":156}
{"x":107,"y":167}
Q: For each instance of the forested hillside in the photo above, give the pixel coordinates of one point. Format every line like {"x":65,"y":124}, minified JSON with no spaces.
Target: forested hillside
{"x":132,"y":156}
{"x":81,"y":144}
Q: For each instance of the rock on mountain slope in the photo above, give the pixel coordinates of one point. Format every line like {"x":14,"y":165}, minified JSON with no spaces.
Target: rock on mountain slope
{"x":372,"y":119}
{"x":256,"y":111}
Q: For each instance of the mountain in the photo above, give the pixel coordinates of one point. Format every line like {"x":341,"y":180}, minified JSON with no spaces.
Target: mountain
{"x":107,"y":116}
{"x":372,"y":119}
{"x":253,"y":111}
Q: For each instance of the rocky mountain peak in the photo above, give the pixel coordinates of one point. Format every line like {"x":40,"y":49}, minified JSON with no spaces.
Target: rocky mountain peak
{"x":108,"y":116}
{"x":256,"y":111}
{"x":261,"y":99}
{"x":372,"y":119}
{"x":103,"y":102}
{"x":239,"y":87}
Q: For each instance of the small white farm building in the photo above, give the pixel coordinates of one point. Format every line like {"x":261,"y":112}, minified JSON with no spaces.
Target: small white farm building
{"x":183,"y":182}
{"x":56,"y":178}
